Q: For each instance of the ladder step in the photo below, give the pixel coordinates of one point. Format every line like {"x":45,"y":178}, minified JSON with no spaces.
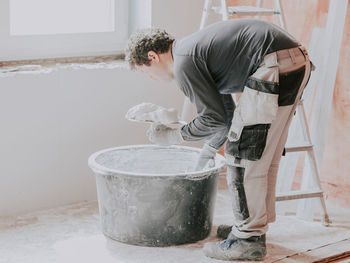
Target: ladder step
{"x":307,"y":147}
{"x":300,"y":194}
{"x":247,"y":10}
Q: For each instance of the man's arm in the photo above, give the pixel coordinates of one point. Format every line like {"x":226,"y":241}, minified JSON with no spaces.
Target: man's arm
{"x":211,"y":146}
{"x":196,"y":82}
{"x":218,"y":139}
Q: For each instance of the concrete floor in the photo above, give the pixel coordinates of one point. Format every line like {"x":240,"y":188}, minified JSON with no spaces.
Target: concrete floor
{"x":72,"y":234}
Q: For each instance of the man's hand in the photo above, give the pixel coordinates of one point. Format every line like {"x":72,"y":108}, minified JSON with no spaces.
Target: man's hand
{"x":206,"y":158}
{"x":164,"y":135}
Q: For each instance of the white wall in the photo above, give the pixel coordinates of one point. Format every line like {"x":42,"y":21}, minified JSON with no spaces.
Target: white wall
{"x":178,"y":17}
{"x":51,"y":123}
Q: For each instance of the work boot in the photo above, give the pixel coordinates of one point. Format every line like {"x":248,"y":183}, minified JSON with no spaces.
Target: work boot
{"x":233,"y":248}
{"x":223,"y":231}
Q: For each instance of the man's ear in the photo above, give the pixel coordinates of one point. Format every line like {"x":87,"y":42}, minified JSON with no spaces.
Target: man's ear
{"x":153,"y":56}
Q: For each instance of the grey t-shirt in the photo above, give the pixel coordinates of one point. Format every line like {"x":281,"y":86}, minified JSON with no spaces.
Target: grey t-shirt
{"x":217,"y":61}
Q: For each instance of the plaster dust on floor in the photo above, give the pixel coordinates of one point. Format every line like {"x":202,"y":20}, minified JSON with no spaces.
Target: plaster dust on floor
{"x":149,"y":112}
{"x":72,"y":234}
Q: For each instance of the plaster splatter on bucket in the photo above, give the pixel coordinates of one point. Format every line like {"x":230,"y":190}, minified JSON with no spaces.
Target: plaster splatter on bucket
{"x":149,"y":195}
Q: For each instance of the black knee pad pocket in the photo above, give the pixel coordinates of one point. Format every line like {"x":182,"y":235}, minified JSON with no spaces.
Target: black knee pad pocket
{"x":251,"y":144}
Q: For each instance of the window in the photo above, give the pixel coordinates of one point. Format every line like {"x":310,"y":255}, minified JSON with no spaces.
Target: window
{"x":61,"y":16}
{"x":57,"y":28}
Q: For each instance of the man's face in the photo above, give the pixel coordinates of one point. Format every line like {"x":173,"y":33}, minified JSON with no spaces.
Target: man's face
{"x":158,"y":68}
{"x":153,"y":72}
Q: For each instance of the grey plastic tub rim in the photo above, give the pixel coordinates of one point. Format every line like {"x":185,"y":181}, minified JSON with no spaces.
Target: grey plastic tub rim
{"x":220,"y":164}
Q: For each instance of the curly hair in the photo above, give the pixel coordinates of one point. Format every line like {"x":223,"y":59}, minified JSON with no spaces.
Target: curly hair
{"x":142,"y":41}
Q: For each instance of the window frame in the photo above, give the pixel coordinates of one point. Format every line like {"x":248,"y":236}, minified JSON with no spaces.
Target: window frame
{"x":62,"y":45}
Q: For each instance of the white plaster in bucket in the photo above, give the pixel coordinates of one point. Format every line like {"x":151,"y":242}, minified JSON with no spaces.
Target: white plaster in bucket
{"x":151,"y":160}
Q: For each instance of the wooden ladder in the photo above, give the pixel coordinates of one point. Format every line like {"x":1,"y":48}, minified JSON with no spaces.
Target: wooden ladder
{"x":314,"y":190}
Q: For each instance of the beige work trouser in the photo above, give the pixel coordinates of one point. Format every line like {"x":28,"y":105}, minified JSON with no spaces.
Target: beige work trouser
{"x":252,"y":182}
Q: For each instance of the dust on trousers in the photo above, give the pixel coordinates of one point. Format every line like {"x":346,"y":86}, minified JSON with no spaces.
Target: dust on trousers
{"x":258,"y":135}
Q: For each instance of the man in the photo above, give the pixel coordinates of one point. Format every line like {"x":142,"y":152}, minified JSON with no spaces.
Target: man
{"x":270,"y":68}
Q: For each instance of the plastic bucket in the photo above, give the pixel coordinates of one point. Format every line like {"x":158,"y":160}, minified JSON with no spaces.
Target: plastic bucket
{"x":149,"y":195}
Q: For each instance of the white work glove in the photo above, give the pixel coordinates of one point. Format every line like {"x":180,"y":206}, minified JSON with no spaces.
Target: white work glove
{"x":206,"y":158}
{"x":164,"y":135}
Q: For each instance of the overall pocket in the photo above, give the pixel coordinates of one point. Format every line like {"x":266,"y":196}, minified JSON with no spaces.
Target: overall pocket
{"x":251,"y":144}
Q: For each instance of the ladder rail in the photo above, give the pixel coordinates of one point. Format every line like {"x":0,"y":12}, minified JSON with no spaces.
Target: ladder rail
{"x":306,"y":131}
{"x":281,"y":17}
{"x":309,"y":148}
{"x":259,"y":3}
{"x":224,"y":10}
{"x":205,"y":13}
{"x":312,"y":156}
